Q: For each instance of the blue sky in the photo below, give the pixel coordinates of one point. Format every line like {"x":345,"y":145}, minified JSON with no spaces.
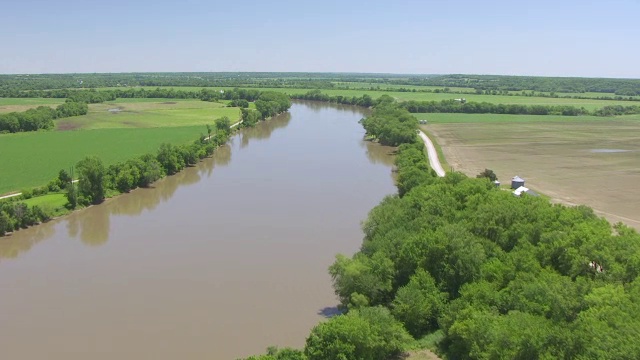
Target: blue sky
{"x":554,"y":38}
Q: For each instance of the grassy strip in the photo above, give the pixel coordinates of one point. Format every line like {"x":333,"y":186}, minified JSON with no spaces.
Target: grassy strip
{"x":53,"y":204}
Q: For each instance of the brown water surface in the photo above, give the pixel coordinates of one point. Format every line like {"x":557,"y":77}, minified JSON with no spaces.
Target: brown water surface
{"x":217,"y":262}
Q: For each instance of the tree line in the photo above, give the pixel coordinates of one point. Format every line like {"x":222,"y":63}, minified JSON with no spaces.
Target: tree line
{"x":317,"y":95}
{"x":40,"y":118}
{"x":471,"y":107}
{"x":623,"y":87}
{"x":17,"y":83}
{"x":492,"y":275}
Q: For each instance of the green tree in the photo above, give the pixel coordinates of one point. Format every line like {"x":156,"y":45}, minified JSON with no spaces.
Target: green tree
{"x":72,"y":195}
{"x":364,"y":334}
{"x":209,"y":129}
{"x":127,"y":178}
{"x":4,"y":223}
{"x":150,"y":170}
{"x":91,"y":179}
{"x":489,"y":174}
{"x":223,"y":124}
{"x":170,"y":158}
{"x":418,"y":304}
{"x":64,"y":177}
{"x":369,"y":277}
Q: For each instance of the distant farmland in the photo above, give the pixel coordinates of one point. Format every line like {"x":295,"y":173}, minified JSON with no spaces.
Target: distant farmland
{"x":584,"y":160}
{"x":8,"y":105}
{"x":114,"y":131}
{"x":33,"y":158}
{"x":145,"y":113}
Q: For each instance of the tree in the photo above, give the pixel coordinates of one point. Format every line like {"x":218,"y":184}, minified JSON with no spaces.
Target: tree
{"x":127,"y":178}
{"x":5,"y":223}
{"x":419,"y":303}
{"x":72,"y":195}
{"x":150,"y":170}
{"x":368,"y":277}
{"x":170,"y":158}
{"x":489,"y":174}
{"x":364,"y":334}
{"x":209,"y":129}
{"x":223,"y":124}
{"x":64,"y":177}
{"x":91,"y":179}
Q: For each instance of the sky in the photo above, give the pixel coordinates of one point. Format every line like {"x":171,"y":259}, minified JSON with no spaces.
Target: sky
{"x":535,"y":37}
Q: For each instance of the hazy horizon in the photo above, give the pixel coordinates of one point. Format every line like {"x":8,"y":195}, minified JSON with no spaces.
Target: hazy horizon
{"x":545,"y":38}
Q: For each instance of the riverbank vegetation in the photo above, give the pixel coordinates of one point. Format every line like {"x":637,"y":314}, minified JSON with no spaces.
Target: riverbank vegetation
{"x":96,"y":181}
{"x":488,"y":274}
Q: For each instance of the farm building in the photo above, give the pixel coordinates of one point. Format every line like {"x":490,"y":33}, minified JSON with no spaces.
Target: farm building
{"x":517,"y":182}
{"x":524,"y":190}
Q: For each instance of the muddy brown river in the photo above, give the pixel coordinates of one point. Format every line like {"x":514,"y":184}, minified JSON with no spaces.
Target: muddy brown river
{"x":217,"y":262}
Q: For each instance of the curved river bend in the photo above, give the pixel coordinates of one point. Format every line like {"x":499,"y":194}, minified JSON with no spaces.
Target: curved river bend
{"x":219,"y":261}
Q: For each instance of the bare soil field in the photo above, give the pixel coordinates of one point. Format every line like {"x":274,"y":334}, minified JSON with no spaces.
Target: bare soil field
{"x":595,"y":163}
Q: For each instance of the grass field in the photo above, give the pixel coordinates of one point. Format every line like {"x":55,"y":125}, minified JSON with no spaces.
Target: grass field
{"x":54,"y":204}
{"x":33,"y":158}
{"x":8,"y":105}
{"x":146,"y":113}
{"x":574,"y":161}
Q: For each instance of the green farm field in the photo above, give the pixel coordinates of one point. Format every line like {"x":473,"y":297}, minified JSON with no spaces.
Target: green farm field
{"x":33,"y":158}
{"x":147,"y":113}
{"x":594,"y":161}
{"x":8,"y":105}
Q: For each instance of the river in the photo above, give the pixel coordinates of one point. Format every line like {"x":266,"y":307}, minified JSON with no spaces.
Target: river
{"x":218,"y":262}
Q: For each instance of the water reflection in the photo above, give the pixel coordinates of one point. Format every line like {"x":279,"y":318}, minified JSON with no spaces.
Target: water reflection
{"x":318,"y":106}
{"x":379,"y":154}
{"x":11,"y":246}
{"x":264,"y":129}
